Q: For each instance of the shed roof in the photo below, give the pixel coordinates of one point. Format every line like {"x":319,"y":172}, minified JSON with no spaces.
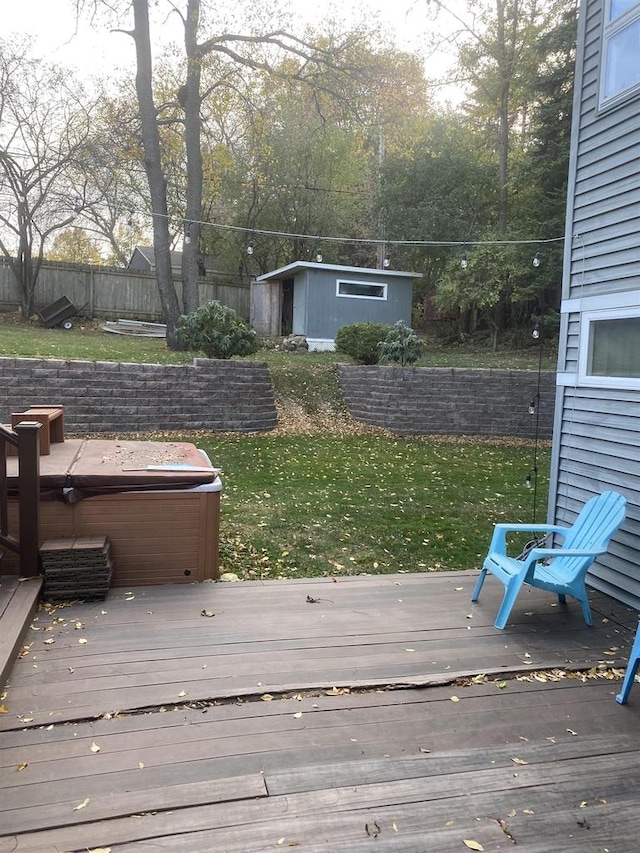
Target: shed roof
{"x":297,"y":266}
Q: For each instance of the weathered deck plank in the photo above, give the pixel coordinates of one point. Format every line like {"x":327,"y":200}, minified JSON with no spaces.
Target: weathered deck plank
{"x":154,"y":647}
{"x":320,"y":768}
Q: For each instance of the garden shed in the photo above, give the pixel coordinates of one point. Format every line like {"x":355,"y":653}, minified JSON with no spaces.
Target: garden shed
{"x":316,"y":299}
{"x":597,"y":417}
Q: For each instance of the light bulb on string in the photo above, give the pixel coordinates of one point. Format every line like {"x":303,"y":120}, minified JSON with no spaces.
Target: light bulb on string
{"x":250,"y":247}
{"x":527,"y":480}
{"x":187,"y":233}
{"x":318,"y":256}
{"x":386,"y":263}
{"x":532,"y":407}
{"x":464,"y":263}
{"x":536,"y":332}
{"x":536,"y":260}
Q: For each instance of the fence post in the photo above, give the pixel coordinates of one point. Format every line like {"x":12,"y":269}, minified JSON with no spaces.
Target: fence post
{"x":29,"y":496}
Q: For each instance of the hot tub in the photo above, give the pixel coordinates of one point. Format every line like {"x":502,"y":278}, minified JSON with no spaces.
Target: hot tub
{"x":157,"y":502}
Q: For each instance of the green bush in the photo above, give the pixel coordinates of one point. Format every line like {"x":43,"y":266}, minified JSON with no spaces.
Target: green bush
{"x":401,"y":345}
{"x":217,"y":331}
{"x":360,"y":341}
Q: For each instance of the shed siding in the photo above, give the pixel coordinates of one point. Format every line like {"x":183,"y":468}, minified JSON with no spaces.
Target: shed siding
{"x":597,"y":430}
{"x":326,"y":312}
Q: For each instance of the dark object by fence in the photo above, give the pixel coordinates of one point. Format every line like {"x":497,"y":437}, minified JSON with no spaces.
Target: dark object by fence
{"x":58,"y":313}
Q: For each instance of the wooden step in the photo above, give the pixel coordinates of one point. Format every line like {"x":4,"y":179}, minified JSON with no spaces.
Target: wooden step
{"x":18,"y":603}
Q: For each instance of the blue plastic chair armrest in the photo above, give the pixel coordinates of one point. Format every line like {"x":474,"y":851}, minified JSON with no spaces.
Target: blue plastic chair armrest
{"x":498,"y":540}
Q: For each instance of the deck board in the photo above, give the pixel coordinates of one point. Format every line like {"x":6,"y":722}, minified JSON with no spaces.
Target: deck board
{"x":345,"y":743}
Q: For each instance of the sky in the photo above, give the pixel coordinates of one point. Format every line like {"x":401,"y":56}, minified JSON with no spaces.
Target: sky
{"x":52,"y":25}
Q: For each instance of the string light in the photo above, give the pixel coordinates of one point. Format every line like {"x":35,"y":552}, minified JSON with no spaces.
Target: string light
{"x":532,"y":407}
{"x":250,"y":247}
{"x":319,"y":238}
{"x":536,"y":260}
{"x":386,"y":263}
{"x":536,"y":332}
{"x":464,"y":263}
{"x":318,"y":256}
{"x":187,"y":233}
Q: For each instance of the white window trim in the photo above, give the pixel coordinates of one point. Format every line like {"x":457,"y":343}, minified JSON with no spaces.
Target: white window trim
{"x":381,"y":284}
{"x":588,"y":379}
{"x":611,"y":28}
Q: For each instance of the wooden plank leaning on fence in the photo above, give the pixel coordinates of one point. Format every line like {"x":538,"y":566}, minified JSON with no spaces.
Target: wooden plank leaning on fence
{"x":25,"y":437}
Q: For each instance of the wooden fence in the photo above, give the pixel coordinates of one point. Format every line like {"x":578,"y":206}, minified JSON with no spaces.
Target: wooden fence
{"x":111,"y":293}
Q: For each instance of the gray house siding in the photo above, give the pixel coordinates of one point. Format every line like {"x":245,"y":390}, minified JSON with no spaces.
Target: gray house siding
{"x":597,"y":429}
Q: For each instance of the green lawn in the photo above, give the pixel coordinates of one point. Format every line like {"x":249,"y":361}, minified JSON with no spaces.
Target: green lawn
{"x":296,"y":506}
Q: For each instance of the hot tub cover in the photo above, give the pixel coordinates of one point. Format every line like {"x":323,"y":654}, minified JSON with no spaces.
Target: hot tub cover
{"x":79,"y":468}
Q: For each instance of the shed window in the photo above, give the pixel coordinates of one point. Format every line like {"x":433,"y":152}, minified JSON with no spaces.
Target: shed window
{"x":610,"y":349}
{"x":361,"y":289}
{"x":620,"y":47}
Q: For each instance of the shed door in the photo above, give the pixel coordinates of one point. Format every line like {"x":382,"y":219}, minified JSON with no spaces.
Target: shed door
{"x":286,"y":326}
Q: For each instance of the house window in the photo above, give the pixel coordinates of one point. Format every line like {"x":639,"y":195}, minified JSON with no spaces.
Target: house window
{"x":610,"y":348}
{"x":620,"y":47}
{"x":361,"y":290}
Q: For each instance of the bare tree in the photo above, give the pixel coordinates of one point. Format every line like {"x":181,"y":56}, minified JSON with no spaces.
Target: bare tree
{"x":43,"y":126}
{"x":237,"y":48}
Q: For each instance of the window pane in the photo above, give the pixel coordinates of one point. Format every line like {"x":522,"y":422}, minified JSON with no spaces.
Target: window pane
{"x":619,"y":7}
{"x":622,"y":69}
{"x":358,"y":288}
{"x":614,"y":347}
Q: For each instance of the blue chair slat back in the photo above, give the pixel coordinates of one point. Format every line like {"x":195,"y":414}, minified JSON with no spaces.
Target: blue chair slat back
{"x":593,"y":528}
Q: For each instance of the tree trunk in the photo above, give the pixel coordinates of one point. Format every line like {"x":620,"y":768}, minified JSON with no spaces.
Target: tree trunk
{"x":191,"y":102}
{"x":153,"y":168}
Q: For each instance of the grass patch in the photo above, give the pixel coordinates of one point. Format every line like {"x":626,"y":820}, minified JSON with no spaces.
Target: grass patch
{"x":303,"y":506}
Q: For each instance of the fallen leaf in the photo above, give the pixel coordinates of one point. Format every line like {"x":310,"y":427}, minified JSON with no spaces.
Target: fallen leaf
{"x":394,"y":827}
{"x":267,"y":697}
{"x":26,"y":719}
{"x":571,"y":732}
{"x":49,"y":642}
{"x":458,"y":588}
{"x":372,"y":829}
{"x":424,"y":749}
{"x":78,"y":626}
{"x":208,"y":613}
{"x":473,"y":845}
{"x":95,"y":747}
{"x":82,"y":641}
{"x":82,"y":805}
{"x":528,"y":811}
{"x":182,"y":694}
{"x":583,"y":804}
{"x":22,"y":765}
{"x":519,"y":761}
{"x":297,"y":715}
{"x":140,"y":765}
{"x":512,"y":813}
{"x":501,"y":685}
{"x":100,"y":850}
{"x":455,"y":699}
{"x":409,"y":650}
{"x":4,"y":709}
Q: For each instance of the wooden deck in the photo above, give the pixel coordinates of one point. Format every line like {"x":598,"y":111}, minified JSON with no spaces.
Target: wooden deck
{"x":320,"y":716}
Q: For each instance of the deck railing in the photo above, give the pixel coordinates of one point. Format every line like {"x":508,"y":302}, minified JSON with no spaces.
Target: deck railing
{"x":25,"y":438}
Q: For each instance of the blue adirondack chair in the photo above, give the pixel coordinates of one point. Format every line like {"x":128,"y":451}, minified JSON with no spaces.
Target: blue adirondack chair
{"x":561,"y":569}
{"x":632,"y":668}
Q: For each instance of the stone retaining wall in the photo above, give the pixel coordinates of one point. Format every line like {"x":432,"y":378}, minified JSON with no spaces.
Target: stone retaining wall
{"x":449,"y":401}
{"x":112,"y":397}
